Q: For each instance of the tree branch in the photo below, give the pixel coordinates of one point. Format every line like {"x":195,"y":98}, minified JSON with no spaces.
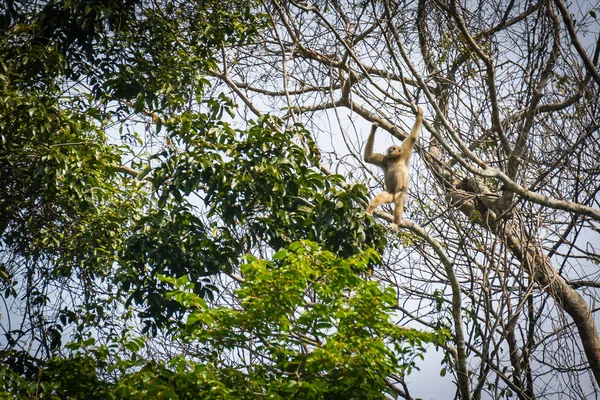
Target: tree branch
{"x":590,"y":67}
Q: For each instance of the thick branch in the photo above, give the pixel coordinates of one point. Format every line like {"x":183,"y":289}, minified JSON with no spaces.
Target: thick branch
{"x":547,"y":201}
{"x":543,"y":273}
{"x":459,"y":336}
{"x":137,"y":174}
{"x":578,"y":284}
{"x":281,"y":93}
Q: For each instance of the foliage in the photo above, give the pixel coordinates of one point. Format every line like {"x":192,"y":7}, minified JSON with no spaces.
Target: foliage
{"x":320,"y":330}
{"x":74,"y":73}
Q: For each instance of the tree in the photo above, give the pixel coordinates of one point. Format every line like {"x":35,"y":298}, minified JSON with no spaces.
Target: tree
{"x":80,"y":87}
{"x":505,"y":180}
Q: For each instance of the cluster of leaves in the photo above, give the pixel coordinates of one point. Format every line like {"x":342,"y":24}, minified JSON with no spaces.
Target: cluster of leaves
{"x":64,"y":208}
{"x":168,"y":50}
{"x":57,"y":176}
{"x":319,"y":329}
{"x":267,"y":180}
{"x":122,"y":48}
{"x":57,"y":164}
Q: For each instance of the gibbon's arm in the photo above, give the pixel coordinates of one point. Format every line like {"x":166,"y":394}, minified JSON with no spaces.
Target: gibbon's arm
{"x":409,"y":142}
{"x":369,"y":156}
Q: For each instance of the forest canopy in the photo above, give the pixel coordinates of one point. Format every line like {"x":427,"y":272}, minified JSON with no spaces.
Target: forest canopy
{"x":182,"y":196}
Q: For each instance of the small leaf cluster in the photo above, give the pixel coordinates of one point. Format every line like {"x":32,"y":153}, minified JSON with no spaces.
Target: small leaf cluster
{"x":61,"y":197}
{"x":170,"y":241}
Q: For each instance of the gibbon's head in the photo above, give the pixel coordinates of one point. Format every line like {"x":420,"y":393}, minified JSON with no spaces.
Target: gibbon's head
{"x":393,"y":152}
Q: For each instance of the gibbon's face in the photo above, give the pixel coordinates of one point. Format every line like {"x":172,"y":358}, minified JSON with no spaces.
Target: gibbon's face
{"x":394,"y":152}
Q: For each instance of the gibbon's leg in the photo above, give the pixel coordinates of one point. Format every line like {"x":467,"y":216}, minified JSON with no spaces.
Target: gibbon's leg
{"x":399,"y":200}
{"x":383,"y":197}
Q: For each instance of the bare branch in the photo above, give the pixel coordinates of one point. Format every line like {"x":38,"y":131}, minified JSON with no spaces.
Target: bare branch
{"x":589,"y":65}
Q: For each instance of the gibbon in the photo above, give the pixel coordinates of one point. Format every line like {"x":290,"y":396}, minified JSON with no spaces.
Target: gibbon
{"x":395,"y":168}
